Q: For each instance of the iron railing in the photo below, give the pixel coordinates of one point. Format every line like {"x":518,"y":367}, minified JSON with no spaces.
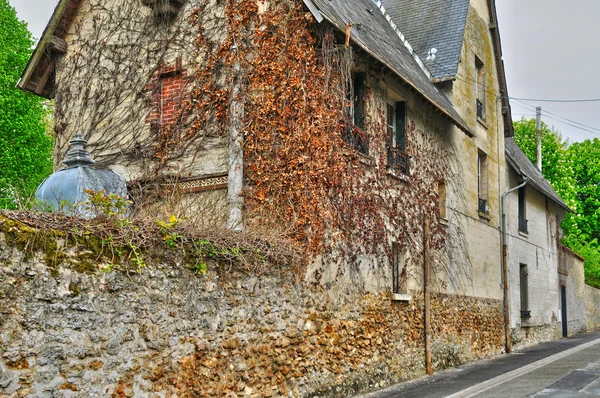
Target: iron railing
{"x":398,"y":160}
{"x":480,"y":109}
{"x":398,"y":273}
{"x":482,"y":205}
{"x":523,"y":224}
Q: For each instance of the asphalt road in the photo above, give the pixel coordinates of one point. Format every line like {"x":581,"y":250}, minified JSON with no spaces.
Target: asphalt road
{"x":567,"y":368}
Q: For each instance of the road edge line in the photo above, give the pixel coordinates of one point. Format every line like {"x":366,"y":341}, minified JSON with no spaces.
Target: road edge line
{"x":491,"y":383}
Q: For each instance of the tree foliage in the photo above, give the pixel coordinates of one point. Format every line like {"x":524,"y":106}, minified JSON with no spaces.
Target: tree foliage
{"x":556,"y":163}
{"x":25,"y":148}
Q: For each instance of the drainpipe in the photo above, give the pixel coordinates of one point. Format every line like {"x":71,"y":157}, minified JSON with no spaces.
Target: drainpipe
{"x":426,"y":282}
{"x":235,"y":176}
{"x":508,"y":344}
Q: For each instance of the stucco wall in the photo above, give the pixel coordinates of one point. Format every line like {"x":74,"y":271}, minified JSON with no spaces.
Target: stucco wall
{"x":538,"y":250}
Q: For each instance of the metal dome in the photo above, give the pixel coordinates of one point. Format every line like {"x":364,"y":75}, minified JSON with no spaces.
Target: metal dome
{"x":63,"y":191}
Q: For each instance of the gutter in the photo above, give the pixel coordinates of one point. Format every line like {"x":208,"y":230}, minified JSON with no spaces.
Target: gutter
{"x":508,"y":345}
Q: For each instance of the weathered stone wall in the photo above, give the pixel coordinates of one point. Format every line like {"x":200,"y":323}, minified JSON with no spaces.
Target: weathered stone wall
{"x":578,"y":293}
{"x":583,"y":301}
{"x":165,"y":332}
{"x":124,"y":81}
{"x":592,"y":308}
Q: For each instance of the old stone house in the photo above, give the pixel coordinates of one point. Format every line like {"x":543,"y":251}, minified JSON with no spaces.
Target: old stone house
{"x":436,"y":81}
{"x":378,"y":127}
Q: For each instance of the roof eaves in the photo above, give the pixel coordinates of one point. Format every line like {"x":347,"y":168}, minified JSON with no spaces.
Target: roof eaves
{"x":534,"y":177}
{"x":494,"y":30}
{"x":42,"y":43}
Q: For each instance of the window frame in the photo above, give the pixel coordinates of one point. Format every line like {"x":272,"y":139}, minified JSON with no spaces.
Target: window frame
{"x":355,"y":134}
{"x":442,"y":198}
{"x":399,"y":279}
{"x":480,"y":90}
{"x":482,"y":182}
{"x":522,"y":210}
{"x":397,"y":157}
{"x":524,"y":291}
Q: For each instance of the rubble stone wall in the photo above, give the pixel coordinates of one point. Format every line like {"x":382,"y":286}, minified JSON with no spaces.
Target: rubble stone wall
{"x":165,"y":332}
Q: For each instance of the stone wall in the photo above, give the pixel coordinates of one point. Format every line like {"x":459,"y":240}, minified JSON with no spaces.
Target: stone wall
{"x":583,"y":301}
{"x":166,"y":332}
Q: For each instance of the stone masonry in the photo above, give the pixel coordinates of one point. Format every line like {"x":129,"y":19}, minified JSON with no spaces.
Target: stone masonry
{"x":165,"y":332}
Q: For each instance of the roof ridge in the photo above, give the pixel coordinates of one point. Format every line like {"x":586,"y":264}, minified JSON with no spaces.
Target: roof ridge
{"x":403,"y":38}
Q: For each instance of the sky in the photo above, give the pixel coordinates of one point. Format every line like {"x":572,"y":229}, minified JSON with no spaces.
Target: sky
{"x":550,"y":48}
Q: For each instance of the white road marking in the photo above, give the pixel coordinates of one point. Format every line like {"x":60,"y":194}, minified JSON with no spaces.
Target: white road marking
{"x":496,"y":381}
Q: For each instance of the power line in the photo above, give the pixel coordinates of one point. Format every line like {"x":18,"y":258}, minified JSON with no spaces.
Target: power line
{"x":557,"y":118}
{"x":572,"y":121}
{"x":556,"y":100}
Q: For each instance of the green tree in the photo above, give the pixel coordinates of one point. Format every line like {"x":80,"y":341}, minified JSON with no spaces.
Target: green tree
{"x":585,"y":160}
{"x":557,"y":167}
{"x":25,"y":148}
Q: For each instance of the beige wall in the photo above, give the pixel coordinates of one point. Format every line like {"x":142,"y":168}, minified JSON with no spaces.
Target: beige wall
{"x":482,"y":231}
{"x":538,"y":250}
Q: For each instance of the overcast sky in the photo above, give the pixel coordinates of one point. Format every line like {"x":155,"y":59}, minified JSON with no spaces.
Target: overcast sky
{"x":550,"y":48}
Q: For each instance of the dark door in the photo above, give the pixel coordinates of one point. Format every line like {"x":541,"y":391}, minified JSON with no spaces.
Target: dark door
{"x":563,"y":310}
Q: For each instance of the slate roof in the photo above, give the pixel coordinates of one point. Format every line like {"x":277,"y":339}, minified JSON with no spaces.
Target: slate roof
{"x":428,"y":24}
{"x":522,"y":165}
{"x":373,"y":32}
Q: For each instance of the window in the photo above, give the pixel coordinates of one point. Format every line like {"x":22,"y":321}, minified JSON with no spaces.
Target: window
{"x":522,"y":210}
{"x":525,"y":312}
{"x":396,"y":125}
{"x":482,"y":182}
{"x":355,"y":134}
{"x":480,"y":89}
{"x":442,"y":199}
{"x":398,"y":270}
{"x":358,"y":100}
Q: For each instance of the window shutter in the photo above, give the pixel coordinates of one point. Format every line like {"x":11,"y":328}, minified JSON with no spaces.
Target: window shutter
{"x":359,"y":100}
{"x":401,"y":126}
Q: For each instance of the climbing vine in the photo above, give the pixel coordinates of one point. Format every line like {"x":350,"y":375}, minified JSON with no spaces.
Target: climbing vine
{"x":293,"y":76}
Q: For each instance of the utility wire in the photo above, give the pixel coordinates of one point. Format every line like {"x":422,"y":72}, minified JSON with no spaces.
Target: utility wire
{"x":556,"y":100}
{"x":555,"y":117}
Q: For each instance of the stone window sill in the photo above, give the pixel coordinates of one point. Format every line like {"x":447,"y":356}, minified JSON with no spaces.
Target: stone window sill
{"x":362,"y":158}
{"x":398,"y":175}
{"x":485,"y":216}
{"x":401,"y":297}
{"x":482,"y":122}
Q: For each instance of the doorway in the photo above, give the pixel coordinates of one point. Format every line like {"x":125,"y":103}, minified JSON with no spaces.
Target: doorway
{"x":563,"y":310}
